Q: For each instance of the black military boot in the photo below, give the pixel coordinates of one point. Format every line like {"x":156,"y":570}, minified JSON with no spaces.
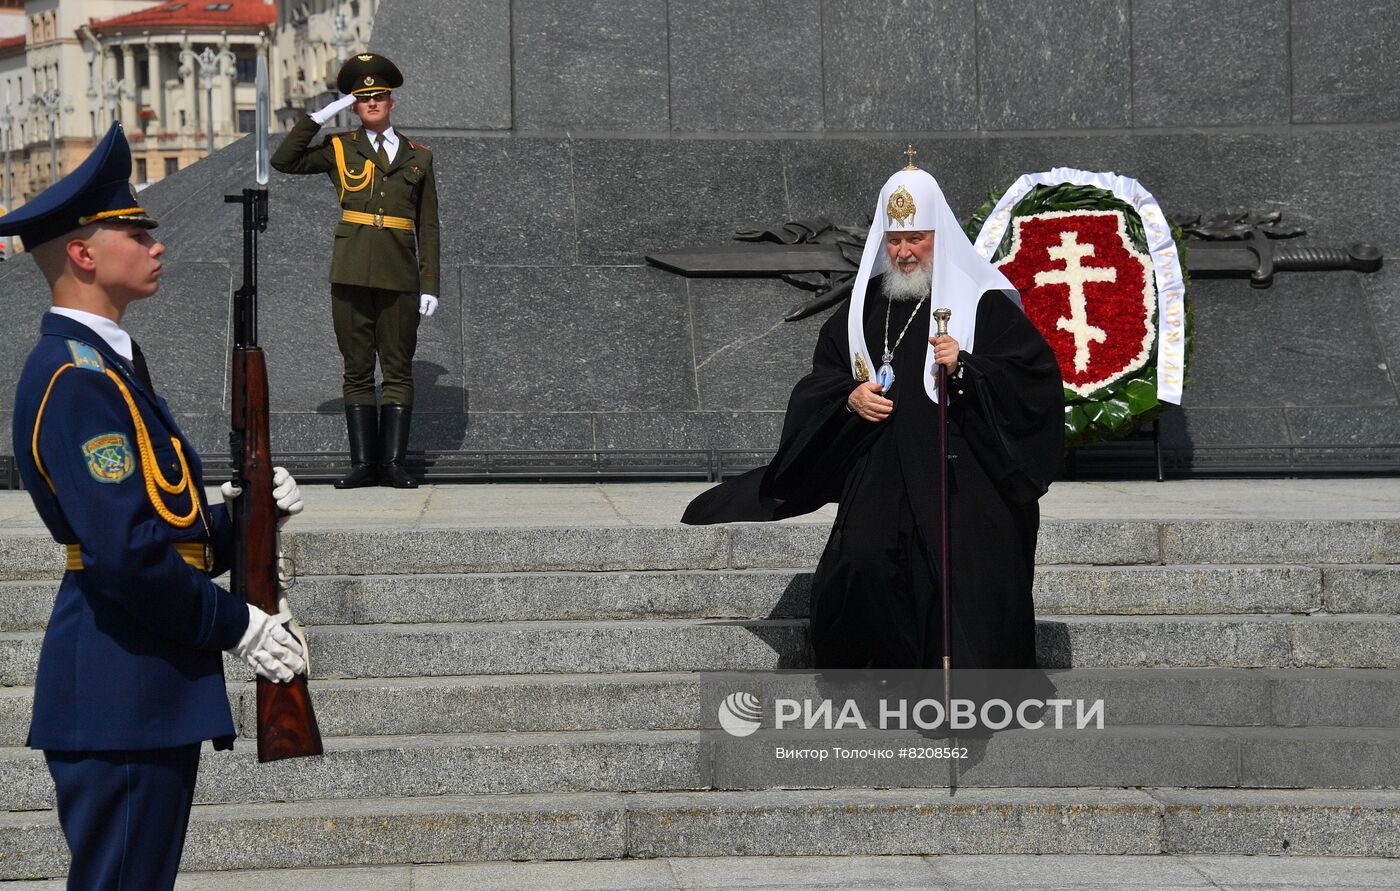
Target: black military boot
{"x":393,"y":446}
{"x":361,"y":420}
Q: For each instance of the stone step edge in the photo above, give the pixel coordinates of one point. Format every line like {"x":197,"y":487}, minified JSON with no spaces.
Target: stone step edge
{"x":799,"y":621}
{"x":1315,"y":569}
{"x":305,"y":527}
{"x":635,"y":618}
{"x":15,"y":701}
{"x":611,"y":825}
{"x":661,"y":678}
{"x":1148,"y":541}
{"x":787,"y":873}
{"x":668,"y":736}
{"x":792,"y":622}
{"x":1151,"y":797}
{"x":807,"y":569}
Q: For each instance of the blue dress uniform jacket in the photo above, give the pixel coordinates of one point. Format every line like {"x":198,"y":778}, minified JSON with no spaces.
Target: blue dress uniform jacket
{"x":132,"y":655}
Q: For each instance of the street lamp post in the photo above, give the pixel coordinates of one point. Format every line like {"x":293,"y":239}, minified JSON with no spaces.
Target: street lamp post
{"x":342,"y":34}
{"x":51,"y":102}
{"x":112,"y":91}
{"x":7,"y":119}
{"x":208,"y":62}
{"x":342,"y":38}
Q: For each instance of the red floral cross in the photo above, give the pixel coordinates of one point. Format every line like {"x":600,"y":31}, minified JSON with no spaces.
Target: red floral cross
{"x":1089,"y":291}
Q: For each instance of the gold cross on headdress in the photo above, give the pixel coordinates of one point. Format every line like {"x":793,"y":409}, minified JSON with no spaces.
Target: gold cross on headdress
{"x":909,"y":153}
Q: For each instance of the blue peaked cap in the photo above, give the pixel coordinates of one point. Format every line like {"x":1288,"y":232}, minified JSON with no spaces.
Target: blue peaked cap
{"x":98,"y":190}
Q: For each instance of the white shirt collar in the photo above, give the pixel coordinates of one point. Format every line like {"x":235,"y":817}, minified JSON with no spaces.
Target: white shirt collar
{"x":391,"y":141}
{"x":103,"y":327}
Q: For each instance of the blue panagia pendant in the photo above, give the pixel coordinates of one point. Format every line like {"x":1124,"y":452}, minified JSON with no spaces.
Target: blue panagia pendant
{"x":885,"y":377}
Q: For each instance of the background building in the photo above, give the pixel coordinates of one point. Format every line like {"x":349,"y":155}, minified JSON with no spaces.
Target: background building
{"x":172,"y":72}
{"x":12,"y":22}
{"x":45,"y":74}
{"x":312,"y":39}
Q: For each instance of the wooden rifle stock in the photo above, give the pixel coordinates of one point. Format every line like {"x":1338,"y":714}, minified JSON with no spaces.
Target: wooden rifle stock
{"x":286,"y":722}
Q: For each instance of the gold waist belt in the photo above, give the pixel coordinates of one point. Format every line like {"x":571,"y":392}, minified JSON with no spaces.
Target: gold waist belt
{"x":195,"y":553}
{"x":377,"y":220}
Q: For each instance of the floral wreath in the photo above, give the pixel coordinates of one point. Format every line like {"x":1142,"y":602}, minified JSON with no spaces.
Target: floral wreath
{"x":1091,"y":283}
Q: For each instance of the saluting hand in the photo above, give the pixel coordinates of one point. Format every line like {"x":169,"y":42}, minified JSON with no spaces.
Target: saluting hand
{"x":321,"y":115}
{"x":866,"y":401}
{"x":945,"y":351}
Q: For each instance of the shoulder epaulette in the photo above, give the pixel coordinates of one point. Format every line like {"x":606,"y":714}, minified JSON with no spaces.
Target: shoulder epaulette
{"x":419,"y":145}
{"x":85,"y":356}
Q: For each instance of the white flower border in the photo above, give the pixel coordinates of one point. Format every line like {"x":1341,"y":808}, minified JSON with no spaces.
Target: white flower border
{"x":1171,"y":285}
{"x":1148,"y":337}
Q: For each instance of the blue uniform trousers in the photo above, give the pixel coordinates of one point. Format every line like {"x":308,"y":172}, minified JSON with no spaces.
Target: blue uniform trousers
{"x":124,"y":814}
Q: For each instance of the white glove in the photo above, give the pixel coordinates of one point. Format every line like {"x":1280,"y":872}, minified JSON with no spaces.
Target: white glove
{"x":269,"y":649}
{"x":322,"y":115}
{"x":284,"y":491}
{"x":427,"y":304}
{"x":287,"y":495}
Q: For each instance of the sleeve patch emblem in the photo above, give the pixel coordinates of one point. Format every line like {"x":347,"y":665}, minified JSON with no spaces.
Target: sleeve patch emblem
{"x":109,"y":457}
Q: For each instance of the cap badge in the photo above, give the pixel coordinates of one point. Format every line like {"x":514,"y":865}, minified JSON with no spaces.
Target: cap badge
{"x":365,"y":57}
{"x":900,"y":208}
{"x":369,"y":80}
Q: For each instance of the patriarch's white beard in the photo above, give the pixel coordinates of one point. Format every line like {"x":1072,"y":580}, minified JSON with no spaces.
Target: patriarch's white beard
{"x":900,"y":285}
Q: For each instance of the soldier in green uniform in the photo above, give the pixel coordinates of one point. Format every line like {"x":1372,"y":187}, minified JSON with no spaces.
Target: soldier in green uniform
{"x":384,"y":268}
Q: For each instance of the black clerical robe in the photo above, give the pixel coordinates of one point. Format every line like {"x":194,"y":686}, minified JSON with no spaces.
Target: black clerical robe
{"x":875,"y":597}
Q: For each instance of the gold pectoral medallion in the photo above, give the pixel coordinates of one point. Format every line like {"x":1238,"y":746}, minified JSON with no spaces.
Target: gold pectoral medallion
{"x":862,"y":369}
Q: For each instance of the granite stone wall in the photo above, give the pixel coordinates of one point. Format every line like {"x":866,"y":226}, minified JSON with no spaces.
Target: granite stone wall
{"x":572,"y":138}
{"x":828,"y":66}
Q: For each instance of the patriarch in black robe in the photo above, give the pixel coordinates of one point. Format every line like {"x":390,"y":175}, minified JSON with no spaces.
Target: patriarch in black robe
{"x":874,"y":450}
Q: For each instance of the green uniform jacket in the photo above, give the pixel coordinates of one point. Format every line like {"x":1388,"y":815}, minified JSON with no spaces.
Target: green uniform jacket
{"x":365,"y":255}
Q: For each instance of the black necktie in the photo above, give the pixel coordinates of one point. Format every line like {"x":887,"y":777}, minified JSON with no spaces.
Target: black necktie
{"x":138,"y":362}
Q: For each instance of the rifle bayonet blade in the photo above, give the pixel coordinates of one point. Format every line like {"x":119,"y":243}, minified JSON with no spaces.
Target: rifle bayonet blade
{"x":260,"y":117}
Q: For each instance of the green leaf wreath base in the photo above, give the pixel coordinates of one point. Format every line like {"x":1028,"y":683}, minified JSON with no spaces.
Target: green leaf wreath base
{"x":1117,"y":409}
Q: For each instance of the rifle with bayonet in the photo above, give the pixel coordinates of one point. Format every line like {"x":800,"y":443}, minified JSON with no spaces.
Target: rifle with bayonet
{"x":286,"y":722}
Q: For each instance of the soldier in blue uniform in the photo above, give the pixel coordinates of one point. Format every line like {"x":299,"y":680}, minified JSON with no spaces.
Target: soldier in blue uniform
{"x":130,"y":680}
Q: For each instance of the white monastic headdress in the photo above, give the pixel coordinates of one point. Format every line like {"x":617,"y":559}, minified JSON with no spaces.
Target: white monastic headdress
{"x":912,"y":201}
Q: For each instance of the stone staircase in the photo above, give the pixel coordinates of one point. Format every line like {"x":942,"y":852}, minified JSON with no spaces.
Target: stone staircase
{"x":517,"y":693}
